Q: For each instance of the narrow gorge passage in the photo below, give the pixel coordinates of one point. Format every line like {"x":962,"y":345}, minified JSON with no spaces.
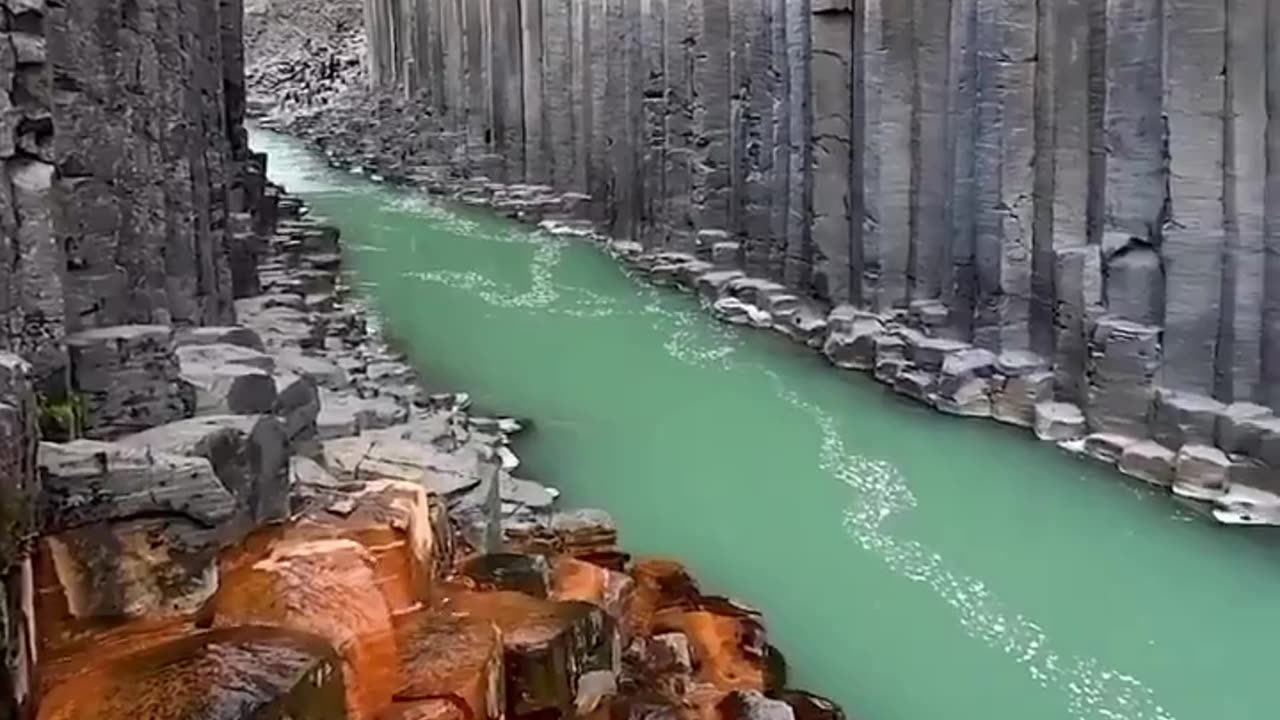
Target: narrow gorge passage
{"x":911,"y":565}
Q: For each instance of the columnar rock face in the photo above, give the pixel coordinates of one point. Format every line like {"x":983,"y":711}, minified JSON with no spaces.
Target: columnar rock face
{"x":127,"y":188}
{"x":1077,"y":179}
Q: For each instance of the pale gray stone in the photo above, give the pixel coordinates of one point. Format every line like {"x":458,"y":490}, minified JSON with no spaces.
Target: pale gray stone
{"x":1059,"y":421}
{"x":1150,"y":462}
{"x":88,"y":482}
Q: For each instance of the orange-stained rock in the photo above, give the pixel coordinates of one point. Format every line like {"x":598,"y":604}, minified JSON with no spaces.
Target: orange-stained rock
{"x":548,"y":645}
{"x":727,"y":640}
{"x":435,"y":709}
{"x":327,"y":588}
{"x":574,"y":579}
{"x":450,"y":656}
{"x":395,"y":521}
{"x":659,"y":583}
{"x":97,"y":575}
{"x":231,"y":674}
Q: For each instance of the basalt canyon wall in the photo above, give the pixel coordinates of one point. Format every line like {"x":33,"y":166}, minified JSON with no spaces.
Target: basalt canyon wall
{"x":128,"y":199}
{"x":1062,"y":214}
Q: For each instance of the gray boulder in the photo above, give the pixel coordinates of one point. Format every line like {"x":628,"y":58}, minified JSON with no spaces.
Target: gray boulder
{"x":712,"y":285}
{"x":217,"y":354}
{"x":1107,"y":447}
{"x":223,"y":335}
{"x":930,"y":353}
{"x":342,"y":415}
{"x":87,"y":482}
{"x":851,"y":339}
{"x":1123,"y":360}
{"x":1179,"y":418}
{"x":249,"y":455}
{"x":230,"y":388}
{"x":1014,"y":398}
{"x":1234,"y":430}
{"x":325,"y":373}
{"x":1150,"y":462}
{"x":1201,"y":470}
{"x":968,"y":398}
{"x":1059,"y":421}
{"x":297,"y":405}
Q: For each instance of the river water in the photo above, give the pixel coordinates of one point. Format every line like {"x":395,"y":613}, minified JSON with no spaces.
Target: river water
{"x":911,"y":566}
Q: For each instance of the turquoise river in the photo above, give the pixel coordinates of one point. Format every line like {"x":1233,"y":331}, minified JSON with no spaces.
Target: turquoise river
{"x":911,"y":566}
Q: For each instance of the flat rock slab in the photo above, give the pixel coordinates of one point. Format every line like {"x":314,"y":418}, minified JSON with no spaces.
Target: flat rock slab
{"x":319,"y":369}
{"x":343,"y":415}
{"x":223,"y":353}
{"x":220,"y":335}
{"x":90,"y":482}
{"x":380,"y":458}
{"x":249,"y":455}
{"x":230,"y":388}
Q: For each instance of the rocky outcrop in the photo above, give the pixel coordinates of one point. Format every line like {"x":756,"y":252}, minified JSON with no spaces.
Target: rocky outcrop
{"x":129,"y":187}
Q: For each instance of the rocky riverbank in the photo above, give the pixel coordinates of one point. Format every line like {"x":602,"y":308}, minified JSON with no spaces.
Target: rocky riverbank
{"x":1220,"y":457}
{"x":303,"y":528}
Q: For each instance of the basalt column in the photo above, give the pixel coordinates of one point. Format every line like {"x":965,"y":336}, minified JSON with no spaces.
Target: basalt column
{"x":1238,"y":375}
{"x":1194,"y":237}
{"x":32,"y":268}
{"x":797,"y":262}
{"x":755,"y":88}
{"x":506,"y":87}
{"x":677,"y":110}
{"x":1271,"y":223}
{"x":711,"y":116}
{"x":832,"y":100}
{"x":1004,"y":172}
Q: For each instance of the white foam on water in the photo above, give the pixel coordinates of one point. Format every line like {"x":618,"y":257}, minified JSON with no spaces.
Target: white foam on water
{"x":1093,"y":691}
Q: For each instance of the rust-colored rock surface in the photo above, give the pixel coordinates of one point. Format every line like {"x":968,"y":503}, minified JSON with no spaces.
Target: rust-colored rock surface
{"x":228,"y":674}
{"x":727,"y":642}
{"x":394,"y":522}
{"x":548,"y":645}
{"x":456,"y":660}
{"x":328,"y":588}
{"x":609,"y":590}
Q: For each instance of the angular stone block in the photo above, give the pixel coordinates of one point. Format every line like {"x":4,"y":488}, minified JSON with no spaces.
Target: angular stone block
{"x":1150,"y":462}
{"x":249,"y":455}
{"x":1057,"y":421}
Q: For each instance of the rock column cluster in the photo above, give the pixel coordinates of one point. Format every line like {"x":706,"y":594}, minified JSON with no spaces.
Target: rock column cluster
{"x":1084,"y":189}
{"x":125,"y":197}
{"x":130,"y":208}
